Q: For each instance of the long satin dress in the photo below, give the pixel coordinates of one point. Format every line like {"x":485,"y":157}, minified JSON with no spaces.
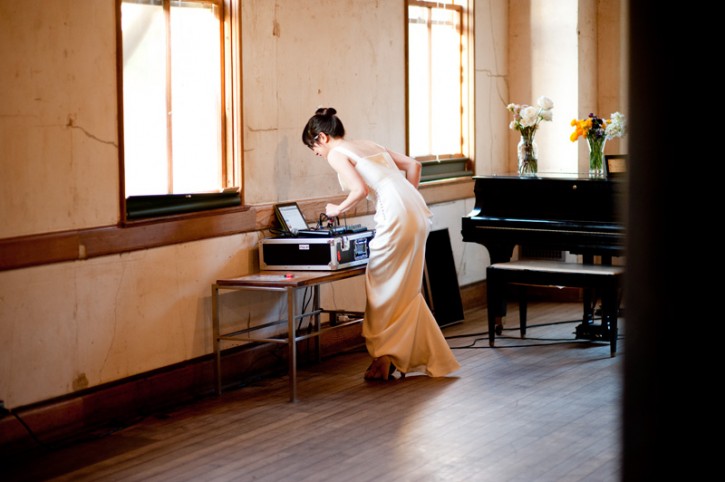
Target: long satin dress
{"x":398,"y":322}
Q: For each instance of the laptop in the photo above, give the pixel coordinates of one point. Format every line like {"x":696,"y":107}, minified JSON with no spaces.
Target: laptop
{"x":293,"y":222}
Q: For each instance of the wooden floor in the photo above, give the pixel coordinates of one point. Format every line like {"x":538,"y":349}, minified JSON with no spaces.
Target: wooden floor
{"x":546,"y":408}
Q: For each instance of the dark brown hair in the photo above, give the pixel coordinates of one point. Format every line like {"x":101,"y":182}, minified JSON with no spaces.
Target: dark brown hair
{"x":325,"y":120}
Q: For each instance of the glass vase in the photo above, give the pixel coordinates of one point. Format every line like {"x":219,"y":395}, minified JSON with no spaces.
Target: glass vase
{"x":528,"y":153}
{"x":596,"y":156}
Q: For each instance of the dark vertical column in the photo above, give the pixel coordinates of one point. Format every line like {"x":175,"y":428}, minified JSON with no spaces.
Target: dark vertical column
{"x":649,"y":306}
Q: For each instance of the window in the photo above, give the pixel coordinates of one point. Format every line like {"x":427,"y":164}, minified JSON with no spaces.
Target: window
{"x":176,"y":57}
{"x":439,"y":103}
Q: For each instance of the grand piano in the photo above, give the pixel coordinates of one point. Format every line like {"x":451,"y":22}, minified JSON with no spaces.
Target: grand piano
{"x":556,"y":212}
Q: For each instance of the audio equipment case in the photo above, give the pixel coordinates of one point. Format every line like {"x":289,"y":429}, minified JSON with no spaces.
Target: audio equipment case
{"x":315,"y":254}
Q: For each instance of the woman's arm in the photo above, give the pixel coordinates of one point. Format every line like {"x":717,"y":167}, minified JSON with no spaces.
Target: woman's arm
{"x":351,"y":179}
{"x":407,"y":164}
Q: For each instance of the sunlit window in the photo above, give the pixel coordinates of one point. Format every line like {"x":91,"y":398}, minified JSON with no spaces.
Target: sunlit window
{"x":173,"y":96}
{"x":437,"y":79}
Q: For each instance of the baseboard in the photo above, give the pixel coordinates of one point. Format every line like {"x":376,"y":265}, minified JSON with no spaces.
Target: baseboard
{"x":473,"y":296}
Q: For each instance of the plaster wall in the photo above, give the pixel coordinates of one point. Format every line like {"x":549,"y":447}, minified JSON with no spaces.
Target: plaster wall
{"x":58,"y":116}
{"x":304,"y":54}
{"x":69,"y":326}
{"x":572,"y":51}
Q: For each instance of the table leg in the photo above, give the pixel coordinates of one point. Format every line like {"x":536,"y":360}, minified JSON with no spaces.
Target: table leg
{"x":215,"y":342}
{"x":292,"y":343}
{"x":317,"y":321}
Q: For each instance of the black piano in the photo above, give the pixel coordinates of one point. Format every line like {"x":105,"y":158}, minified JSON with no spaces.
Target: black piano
{"x":559,"y":212}
{"x":554,"y":212}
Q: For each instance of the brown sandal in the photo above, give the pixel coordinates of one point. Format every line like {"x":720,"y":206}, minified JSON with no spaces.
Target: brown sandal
{"x":378,"y":370}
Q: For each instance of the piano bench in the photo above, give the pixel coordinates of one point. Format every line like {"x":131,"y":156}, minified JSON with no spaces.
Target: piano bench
{"x":605,"y":280}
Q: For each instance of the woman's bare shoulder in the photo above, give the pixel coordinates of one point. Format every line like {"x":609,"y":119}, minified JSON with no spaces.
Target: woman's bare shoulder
{"x":365,"y":148}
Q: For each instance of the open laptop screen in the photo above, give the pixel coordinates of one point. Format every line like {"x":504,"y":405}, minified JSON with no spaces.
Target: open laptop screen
{"x":290,"y":217}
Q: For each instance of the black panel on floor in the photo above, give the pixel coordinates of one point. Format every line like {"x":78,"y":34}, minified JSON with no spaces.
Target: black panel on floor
{"x":440,"y":280}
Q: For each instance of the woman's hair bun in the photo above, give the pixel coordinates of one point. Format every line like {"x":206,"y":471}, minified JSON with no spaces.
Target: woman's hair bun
{"x":325,"y":111}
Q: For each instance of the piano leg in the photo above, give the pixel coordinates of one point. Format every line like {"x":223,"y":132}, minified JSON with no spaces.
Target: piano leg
{"x":496,"y":303}
{"x":587,"y":329}
{"x":522,"y":311}
{"x":610,"y":315}
{"x":493,"y":320}
{"x":590,"y":301}
{"x":590,"y":297}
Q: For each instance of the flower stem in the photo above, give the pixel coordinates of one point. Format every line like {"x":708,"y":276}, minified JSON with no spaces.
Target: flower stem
{"x":596,"y":155}
{"x":527,"y":152}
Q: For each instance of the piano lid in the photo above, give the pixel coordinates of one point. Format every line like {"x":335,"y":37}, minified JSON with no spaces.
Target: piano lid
{"x":549,"y":197}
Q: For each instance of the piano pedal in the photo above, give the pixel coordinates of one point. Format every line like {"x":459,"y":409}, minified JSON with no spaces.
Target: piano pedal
{"x":598,"y":312}
{"x":590,"y":331}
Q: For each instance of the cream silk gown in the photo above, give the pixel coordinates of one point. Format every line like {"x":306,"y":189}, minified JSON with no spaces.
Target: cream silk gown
{"x":397,"y":320}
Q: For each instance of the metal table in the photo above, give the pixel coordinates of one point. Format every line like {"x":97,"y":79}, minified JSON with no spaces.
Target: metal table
{"x":287,"y":283}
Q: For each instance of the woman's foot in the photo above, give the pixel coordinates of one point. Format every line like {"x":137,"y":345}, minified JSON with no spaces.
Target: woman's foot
{"x":380,"y":369}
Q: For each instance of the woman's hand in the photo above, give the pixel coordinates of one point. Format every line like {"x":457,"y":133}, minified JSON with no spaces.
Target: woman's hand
{"x":332,"y":210}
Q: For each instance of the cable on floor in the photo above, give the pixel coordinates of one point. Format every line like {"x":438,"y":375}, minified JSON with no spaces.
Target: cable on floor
{"x":483,"y":337}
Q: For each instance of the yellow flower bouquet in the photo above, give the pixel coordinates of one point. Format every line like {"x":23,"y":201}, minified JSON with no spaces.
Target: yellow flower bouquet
{"x":597,"y":132}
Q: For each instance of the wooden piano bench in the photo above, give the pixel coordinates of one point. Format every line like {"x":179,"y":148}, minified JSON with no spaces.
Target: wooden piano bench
{"x":607,"y":281}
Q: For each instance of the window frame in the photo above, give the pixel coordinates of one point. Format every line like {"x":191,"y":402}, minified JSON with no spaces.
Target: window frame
{"x":449,"y":165}
{"x":231,"y":143}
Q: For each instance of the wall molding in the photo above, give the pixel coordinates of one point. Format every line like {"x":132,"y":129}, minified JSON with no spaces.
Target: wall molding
{"x":76,"y":245}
